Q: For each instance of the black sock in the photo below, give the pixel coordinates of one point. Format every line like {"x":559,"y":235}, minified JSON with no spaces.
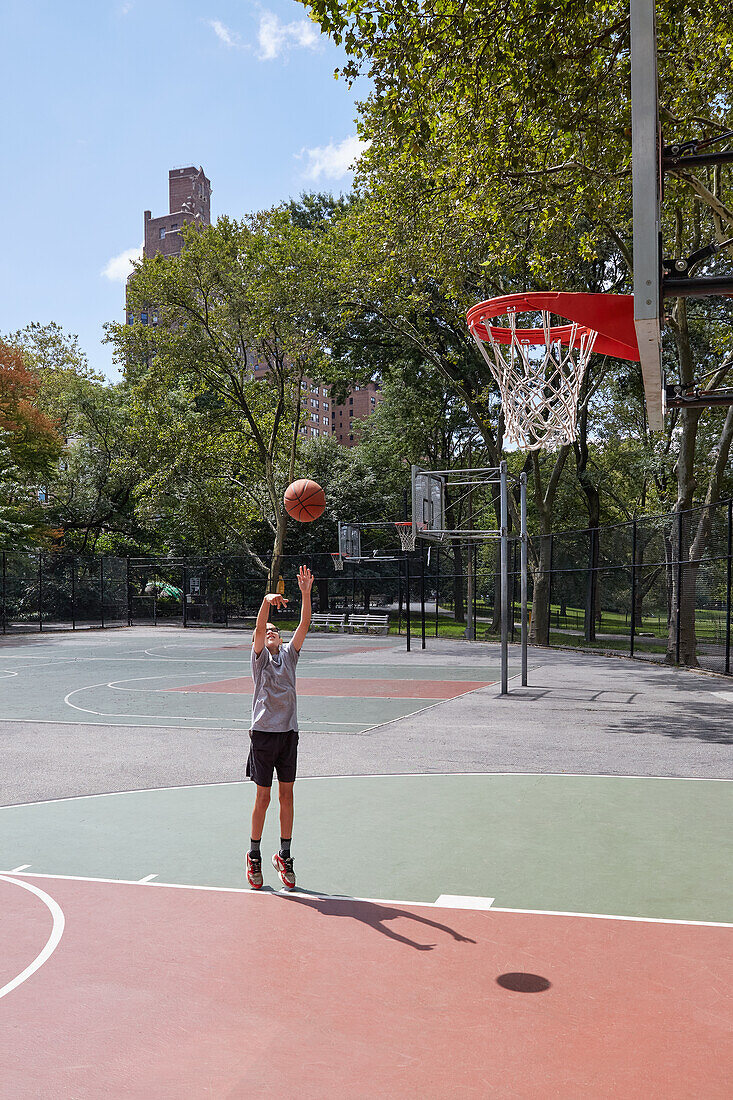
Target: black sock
{"x":285,"y":847}
{"x":254,"y":848}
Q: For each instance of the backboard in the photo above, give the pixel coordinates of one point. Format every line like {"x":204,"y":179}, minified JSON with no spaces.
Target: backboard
{"x":428,"y":503}
{"x":349,"y":541}
{"x":646,"y":174}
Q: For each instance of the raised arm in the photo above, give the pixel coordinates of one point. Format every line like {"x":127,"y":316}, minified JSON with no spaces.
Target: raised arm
{"x":305,"y":583}
{"x":272,"y":599}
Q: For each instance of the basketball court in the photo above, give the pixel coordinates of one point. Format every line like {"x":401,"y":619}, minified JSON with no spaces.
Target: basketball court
{"x":472,"y":917}
{"x":514,"y":866}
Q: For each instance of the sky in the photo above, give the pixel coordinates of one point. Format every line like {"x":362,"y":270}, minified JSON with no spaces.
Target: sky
{"x":102,"y":97}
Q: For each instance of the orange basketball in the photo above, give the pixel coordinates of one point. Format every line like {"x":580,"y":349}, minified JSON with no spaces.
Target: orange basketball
{"x":304,"y":500}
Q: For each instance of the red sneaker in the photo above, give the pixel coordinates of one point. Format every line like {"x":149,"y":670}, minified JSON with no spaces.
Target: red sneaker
{"x":254,"y":871}
{"x":284,"y":868}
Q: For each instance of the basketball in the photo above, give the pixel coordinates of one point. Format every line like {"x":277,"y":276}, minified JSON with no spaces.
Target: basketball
{"x":304,"y":500}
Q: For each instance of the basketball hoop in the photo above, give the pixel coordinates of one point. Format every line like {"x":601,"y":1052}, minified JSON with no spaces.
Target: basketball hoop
{"x":540,"y":370}
{"x":406,"y":532}
{"x":338,"y":562}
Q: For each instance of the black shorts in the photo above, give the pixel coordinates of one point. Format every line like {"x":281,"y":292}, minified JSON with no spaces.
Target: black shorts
{"x":270,"y":752}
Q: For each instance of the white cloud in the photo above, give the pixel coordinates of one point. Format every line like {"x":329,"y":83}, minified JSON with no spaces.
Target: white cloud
{"x":224,"y":34}
{"x":333,"y":161}
{"x":276,"y":38}
{"x":119,"y":267}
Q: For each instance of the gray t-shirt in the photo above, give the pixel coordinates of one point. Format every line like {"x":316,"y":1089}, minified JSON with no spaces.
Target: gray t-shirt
{"x":274,"y":702}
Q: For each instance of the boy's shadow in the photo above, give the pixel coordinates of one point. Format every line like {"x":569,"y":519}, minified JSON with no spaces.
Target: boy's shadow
{"x":372,"y":914}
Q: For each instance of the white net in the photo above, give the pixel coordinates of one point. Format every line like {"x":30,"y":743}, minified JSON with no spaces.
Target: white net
{"x":338,"y":562}
{"x":539,"y":385}
{"x":406,"y":531}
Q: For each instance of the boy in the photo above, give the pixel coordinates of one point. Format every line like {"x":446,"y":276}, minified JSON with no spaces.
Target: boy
{"x":274,"y":732}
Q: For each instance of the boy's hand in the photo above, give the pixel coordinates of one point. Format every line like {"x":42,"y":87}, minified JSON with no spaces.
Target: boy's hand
{"x":276,"y":600}
{"x":305,"y":580}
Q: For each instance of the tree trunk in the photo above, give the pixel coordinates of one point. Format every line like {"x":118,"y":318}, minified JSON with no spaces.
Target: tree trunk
{"x":323,"y":595}
{"x":540,"y":620}
{"x":277,"y":552}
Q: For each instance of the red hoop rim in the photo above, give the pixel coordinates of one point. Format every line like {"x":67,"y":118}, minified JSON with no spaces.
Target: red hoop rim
{"x":403,"y":523}
{"x":611,"y":316}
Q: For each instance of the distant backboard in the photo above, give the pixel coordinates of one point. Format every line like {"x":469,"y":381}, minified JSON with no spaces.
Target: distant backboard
{"x":428,"y":503}
{"x":349,"y":541}
{"x":646,"y":173}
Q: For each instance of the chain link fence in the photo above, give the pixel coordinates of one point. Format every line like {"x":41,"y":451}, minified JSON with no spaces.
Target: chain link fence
{"x":657,"y":588}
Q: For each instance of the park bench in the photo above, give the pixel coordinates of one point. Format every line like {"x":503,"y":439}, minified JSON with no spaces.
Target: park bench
{"x":328,"y":621}
{"x":378,"y":624}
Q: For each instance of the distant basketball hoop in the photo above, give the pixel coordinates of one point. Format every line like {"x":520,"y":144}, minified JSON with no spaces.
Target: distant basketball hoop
{"x":406,"y":532}
{"x":338,"y":562}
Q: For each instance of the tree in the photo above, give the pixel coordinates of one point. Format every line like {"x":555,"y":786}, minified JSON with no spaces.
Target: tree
{"x":240,"y":294}
{"x":514,"y":117}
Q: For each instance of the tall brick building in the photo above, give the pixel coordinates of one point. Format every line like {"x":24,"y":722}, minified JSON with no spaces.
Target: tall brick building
{"x":189,"y":201}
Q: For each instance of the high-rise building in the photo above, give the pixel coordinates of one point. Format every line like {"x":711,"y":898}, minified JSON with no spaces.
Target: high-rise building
{"x":189,"y":201}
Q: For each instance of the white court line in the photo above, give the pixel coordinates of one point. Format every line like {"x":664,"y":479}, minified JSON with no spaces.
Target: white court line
{"x":464,"y":901}
{"x":17,"y":870}
{"x":148,"y":878}
{"x":165,"y":718}
{"x":52,"y":943}
{"x":375,"y":901}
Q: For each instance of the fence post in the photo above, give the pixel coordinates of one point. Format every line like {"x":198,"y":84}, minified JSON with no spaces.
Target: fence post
{"x":101,"y":591}
{"x":678,"y":624}
{"x":633,"y":588}
{"x":422,"y":592}
{"x":728,"y":596}
{"x":184,"y":596}
{"x":5,"y":630}
{"x":40,"y":590}
{"x":437,"y":587}
{"x":128,"y":590}
{"x":549,"y":594}
{"x":226,"y":594}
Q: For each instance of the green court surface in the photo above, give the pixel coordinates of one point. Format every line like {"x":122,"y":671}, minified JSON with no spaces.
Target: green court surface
{"x":345,"y":683}
{"x":645,"y":848}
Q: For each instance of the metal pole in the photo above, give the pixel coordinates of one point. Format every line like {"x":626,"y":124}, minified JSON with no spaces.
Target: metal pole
{"x":5,"y":629}
{"x":504,"y":580}
{"x":633,"y":588}
{"x":678,"y":625}
{"x":549,"y":594}
{"x":128,"y":582}
{"x":474,"y":551}
{"x":407,"y":579}
{"x":101,"y":591}
{"x":40,"y":590}
{"x":422,"y":593}
{"x":184,"y":598}
{"x":728,"y":595}
{"x":523,"y":536}
{"x":437,"y":588}
{"x":399,"y":596}
{"x":73,"y":592}
{"x":226,"y":594}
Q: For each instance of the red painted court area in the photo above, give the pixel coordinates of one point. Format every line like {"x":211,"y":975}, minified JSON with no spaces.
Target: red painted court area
{"x":178,"y":993}
{"x":351,"y":688}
